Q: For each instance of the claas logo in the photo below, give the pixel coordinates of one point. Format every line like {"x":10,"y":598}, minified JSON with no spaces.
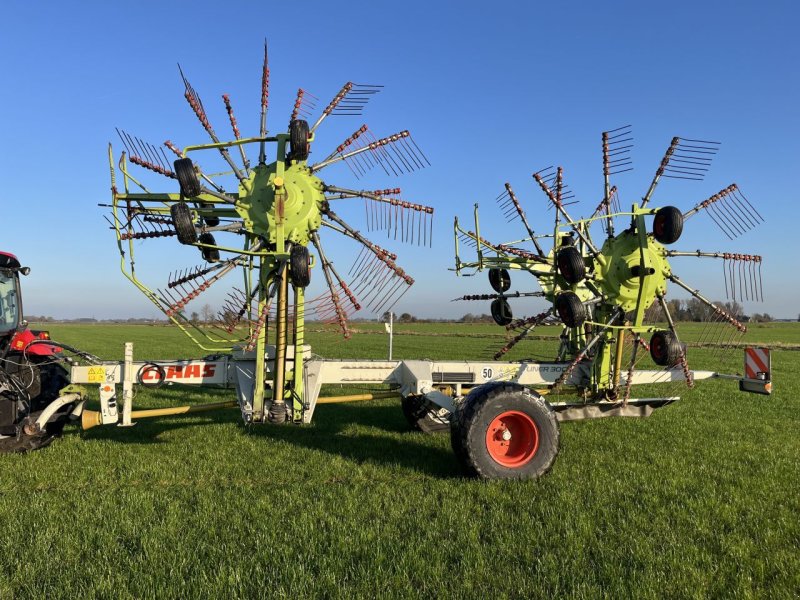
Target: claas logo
{"x":172,"y":372}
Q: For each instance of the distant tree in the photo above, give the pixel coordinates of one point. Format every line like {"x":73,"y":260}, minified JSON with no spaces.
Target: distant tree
{"x":194,"y":318}
{"x":207,"y":313}
{"x":761,"y":318}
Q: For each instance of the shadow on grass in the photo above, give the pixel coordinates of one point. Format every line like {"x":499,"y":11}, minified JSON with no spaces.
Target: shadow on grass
{"x":332,"y":432}
{"x":397,"y":446}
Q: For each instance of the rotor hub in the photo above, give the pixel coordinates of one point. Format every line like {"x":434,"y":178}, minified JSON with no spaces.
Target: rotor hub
{"x":632,"y":274}
{"x":293,"y":198}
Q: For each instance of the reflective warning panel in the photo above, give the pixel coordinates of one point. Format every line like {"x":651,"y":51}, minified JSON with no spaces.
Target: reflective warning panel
{"x":756,"y":363}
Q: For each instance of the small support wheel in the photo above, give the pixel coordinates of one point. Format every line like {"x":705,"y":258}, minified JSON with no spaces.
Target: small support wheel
{"x":184,"y":225}
{"x":299,"y":266}
{"x":665,"y":349}
{"x":570,"y":309}
{"x":500,"y":280}
{"x":209,"y":254}
{"x":501,"y":311}
{"x":210,"y":221}
{"x":298,"y":140}
{"x":504,"y":431}
{"x":571,"y":265}
{"x":422,"y":415}
{"x":668,"y":225}
{"x":187,"y":177}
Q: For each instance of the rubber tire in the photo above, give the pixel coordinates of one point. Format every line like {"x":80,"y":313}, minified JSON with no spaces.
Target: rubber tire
{"x":501,"y":311}
{"x":212,"y":221}
{"x":182,"y":220}
{"x":668,"y":225}
{"x":570,"y":309}
{"x":299,"y":266}
{"x":665,"y":349}
{"x":571,"y":264}
{"x":475,"y":413}
{"x":500,"y":280}
{"x":187,"y":177}
{"x":209,"y":254}
{"x":298,"y":139}
{"x":420,"y":415}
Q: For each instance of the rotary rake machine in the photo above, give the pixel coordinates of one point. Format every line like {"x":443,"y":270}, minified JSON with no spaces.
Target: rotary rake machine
{"x":608,"y":297}
{"x":259,"y":235}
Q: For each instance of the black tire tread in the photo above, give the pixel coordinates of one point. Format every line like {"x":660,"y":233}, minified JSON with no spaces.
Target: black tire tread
{"x":466,"y":412}
{"x":571,"y":264}
{"x":187,"y":177}
{"x":182,"y":220}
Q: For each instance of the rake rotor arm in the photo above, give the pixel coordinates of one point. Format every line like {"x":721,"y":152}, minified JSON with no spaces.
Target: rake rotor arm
{"x":521,"y":213}
{"x":740,"y":326}
{"x":262,"y":157}
{"x":245,"y":161}
{"x":327,"y":271}
{"x":324,"y":260}
{"x":197,"y":106}
{"x":560,"y":208}
{"x":177,"y":152}
{"x":368,"y":148}
{"x":724,"y":255}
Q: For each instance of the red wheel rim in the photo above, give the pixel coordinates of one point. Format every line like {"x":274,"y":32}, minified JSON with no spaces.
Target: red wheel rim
{"x":512,"y":438}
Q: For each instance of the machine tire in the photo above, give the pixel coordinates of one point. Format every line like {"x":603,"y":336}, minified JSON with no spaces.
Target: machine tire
{"x":501,"y":311}
{"x":298,"y":139}
{"x":187,"y":177}
{"x":665,"y":349}
{"x":209,"y":254}
{"x":299,"y":266}
{"x":668,"y":225}
{"x":211,"y":221}
{"x":421,"y":416}
{"x":571,"y":264}
{"x":570,"y":309}
{"x":182,"y":220}
{"x":496,"y":407}
{"x":500,"y":280}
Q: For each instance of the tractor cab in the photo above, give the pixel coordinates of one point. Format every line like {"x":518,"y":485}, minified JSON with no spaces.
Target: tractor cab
{"x":14,"y":333}
{"x":10,"y":298}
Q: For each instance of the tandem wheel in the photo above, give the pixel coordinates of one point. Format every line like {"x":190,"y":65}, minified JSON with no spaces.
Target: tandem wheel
{"x":504,"y":431}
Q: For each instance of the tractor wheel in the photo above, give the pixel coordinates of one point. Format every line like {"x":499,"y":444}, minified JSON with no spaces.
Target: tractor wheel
{"x":299,"y":266}
{"x":571,"y":264}
{"x":184,"y":226}
{"x":570,"y":309}
{"x":665,"y":349}
{"x":211,"y":221}
{"x":668,"y":225}
{"x":504,"y":431}
{"x":298,"y":140}
{"x":187,"y":177}
{"x":209,"y":254}
{"x":422,"y":415}
{"x":501,"y":311}
{"x":500,"y":280}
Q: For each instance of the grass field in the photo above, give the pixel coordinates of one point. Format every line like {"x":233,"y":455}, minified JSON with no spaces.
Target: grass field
{"x":699,"y":500}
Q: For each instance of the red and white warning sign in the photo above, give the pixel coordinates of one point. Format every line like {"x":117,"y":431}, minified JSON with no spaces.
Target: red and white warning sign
{"x":756,"y":360}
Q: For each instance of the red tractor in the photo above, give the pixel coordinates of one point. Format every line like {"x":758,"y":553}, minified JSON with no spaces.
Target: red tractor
{"x":32,"y":370}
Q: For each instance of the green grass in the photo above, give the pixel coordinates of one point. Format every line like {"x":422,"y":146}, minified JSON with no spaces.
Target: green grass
{"x":699,"y":500}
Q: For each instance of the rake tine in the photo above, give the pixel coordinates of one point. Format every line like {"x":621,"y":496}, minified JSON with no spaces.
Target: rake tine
{"x":738,"y":201}
{"x":738,"y":193}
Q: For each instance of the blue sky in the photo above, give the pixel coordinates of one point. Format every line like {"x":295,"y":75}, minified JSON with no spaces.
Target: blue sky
{"x":490,"y":92}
